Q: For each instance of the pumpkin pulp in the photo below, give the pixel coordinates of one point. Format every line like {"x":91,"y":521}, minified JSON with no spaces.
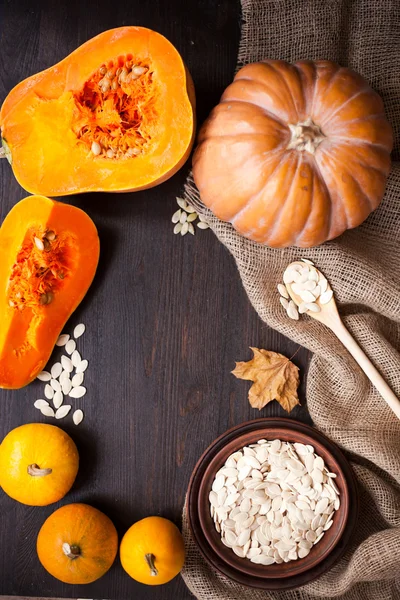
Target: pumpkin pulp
{"x":115,"y":115}
{"x":49,"y":255}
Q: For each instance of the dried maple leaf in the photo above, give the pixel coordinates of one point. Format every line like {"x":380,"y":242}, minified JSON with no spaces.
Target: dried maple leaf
{"x":275,"y":378}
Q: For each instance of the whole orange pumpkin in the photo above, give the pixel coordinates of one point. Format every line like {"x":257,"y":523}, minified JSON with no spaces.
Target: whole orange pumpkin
{"x":77,"y":544}
{"x":38,"y":464}
{"x":294,"y":154}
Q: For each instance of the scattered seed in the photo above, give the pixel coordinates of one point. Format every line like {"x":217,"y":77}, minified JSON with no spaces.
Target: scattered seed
{"x":292,"y":311}
{"x":185,"y":227}
{"x":183,"y":217}
{"x":203,"y":225}
{"x":56,"y":385}
{"x":191,"y":228}
{"x":283,"y":291}
{"x":48,"y":392}
{"x":284,"y":302}
{"x":40,"y":404}
{"x":63,"y":411}
{"x":77,"y":392}
{"x":62,"y":340}
{"x":58,"y":399}
{"x":76,"y":358}
{"x":56,"y":370}
{"x":39,"y":244}
{"x":192,"y":217}
{"x":313,"y":307}
{"x":176,"y":216}
{"x":66,"y":386}
{"x":81,"y":368}
{"x":77,"y":379}
{"x":67,"y":364}
{"x":79,"y":330}
{"x":77,"y":417}
{"x":70,"y":346}
{"x":47,"y":411}
{"x":177,"y":228}
{"x":182,"y":203}
{"x":44,"y":376}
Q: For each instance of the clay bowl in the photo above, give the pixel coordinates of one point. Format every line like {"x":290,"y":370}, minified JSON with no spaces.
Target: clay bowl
{"x":241,"y":570}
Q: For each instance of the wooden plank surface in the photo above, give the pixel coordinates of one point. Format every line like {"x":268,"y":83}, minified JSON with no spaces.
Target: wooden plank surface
{"x":166,"y":316}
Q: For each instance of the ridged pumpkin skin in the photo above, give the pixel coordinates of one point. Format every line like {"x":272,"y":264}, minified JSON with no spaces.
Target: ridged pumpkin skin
{"x":294,"y":154}
{"x":152,"y":551}
{"x":38,"y":464}
{"x":40,"y":289}
{"x":84,"y":532}
{"x":49,"y":121}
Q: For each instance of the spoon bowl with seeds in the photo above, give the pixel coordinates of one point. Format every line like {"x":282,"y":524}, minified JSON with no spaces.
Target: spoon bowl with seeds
{"x":308,"y":291}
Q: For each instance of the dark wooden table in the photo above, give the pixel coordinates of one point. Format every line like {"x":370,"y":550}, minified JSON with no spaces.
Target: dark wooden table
{"x":166,"y":316}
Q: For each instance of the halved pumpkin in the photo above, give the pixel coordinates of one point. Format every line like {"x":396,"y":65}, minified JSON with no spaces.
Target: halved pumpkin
{"x":48,"y":257}
{"x":116,"y":115}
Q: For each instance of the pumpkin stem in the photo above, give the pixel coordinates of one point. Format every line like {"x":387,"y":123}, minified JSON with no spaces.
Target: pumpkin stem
{"x":305,"y":136}
{"x":35,"y":471}
{"x":150,"y":558}
{"x":71,"y":552}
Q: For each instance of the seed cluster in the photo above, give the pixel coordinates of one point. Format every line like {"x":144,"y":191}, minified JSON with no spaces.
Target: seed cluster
{"x":116,"y":108}
{"x":273,"y":500}
{"x":60,"y":380}
{"x":185,"y":217}
{"x":308,"y":283}
{"x":39,"y":270}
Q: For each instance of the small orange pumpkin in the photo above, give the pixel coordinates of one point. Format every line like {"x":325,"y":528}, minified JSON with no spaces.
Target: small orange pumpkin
{"x":294,"y":154}
{"x":77,"y":544}
{"x":38,"y":464}
{"x":152,"y":551}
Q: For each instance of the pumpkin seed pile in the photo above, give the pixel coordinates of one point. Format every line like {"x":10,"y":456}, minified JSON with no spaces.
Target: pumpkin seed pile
{"x":185,"y":217}
{"x":60,"y":380}
{"x":309,"y":284}
{"x":272,"y":501}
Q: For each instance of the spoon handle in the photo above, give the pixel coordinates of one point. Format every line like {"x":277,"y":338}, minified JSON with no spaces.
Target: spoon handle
{"x":369,"y":369}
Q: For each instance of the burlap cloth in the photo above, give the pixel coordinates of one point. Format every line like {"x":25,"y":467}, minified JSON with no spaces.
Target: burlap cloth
{"x":363,"y":266}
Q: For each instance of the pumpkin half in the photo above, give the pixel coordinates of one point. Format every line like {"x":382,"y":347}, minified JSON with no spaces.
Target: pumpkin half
{"x":48,"y":257}
{"x":116,"y":115}
{"x":294,"y":154}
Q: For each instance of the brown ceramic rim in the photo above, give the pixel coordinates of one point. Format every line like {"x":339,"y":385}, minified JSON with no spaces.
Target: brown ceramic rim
{"x":287,"y":575}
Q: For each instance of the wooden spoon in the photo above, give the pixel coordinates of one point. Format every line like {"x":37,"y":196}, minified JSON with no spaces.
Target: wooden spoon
{"x":329,"y":316}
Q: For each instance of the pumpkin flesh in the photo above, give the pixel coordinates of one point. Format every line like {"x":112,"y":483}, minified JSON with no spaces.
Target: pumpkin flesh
{"x":144,"y":125}
{"x":39,"y":289}
{"x":294,"y":154}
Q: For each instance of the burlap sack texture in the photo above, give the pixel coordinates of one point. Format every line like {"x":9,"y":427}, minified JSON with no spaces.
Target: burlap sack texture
{"x":363,"y":267}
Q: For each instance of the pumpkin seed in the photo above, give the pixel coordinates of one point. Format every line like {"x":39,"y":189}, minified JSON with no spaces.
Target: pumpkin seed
{"x":191,"y":228}
{"x":47,"y":411}
{"x":176,"y":216}
{"x":67,"y":364}
{"x":185,"y":227}
{"x":177,"y":228}
{"x":292,"y":311}
{"x":44,"y":376}
{"x":40,"y":404}
{"x":96,"y":148}
{"x":77,"y":392}
{"x":39,"y":244}
{"x":203,"y":225}
{"x":70,"y":346}
{"x":81,"y":368}
{"x":183,"y":217}
{"x":79,"y":330}
{"x":66,"y":386}
{"x":76,"y":358}
{"x":58,"y":399}
{"x":77,"y":379}
{"x":62,"y":340}
{"x":48,"y":392}
{"x":63,"y":411}
{"x":283,"y":290}
{"x":192,"y":217}
{"x":326,"y":296}
{"x":56,"y":385}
